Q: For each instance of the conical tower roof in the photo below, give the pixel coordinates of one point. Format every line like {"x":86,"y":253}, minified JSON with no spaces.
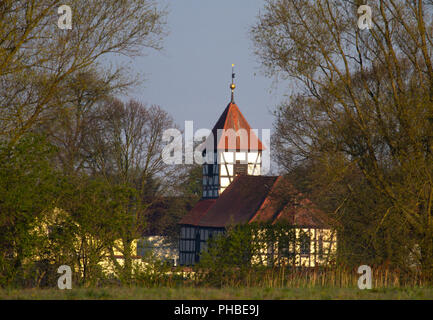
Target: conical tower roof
{"x":233,"y":119}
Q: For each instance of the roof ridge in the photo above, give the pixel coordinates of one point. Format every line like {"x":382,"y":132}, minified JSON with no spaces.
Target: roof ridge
{"x":227,"y":115}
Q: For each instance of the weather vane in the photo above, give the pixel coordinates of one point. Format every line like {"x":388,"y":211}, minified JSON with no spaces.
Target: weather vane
{"x":232,"y":85}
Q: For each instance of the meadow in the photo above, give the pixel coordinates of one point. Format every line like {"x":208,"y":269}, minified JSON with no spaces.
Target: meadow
{"x":265,"y":284}
{"x":228,"y":293}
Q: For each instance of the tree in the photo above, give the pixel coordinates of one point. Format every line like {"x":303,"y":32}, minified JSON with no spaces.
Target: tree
{"x":37,"y":58}
{"x":94,"y":213}
{"x":29,"y":187}
{"x":364,"y":103}
{"x":126,"y":150}
{"x":71,"y":122}
{"x":54,"y":83}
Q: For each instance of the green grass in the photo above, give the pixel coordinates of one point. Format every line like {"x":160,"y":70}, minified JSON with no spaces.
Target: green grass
{"x":218,"y":294}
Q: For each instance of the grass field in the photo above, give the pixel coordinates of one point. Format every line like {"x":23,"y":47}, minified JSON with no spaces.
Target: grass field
{"x":219,"y":294}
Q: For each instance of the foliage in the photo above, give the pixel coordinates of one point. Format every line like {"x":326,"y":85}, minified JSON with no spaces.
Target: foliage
{"x":228,"y":256}
{"x":96,"y":210}
{"x":232,"y":257}
{"x":155,"y":272}
{"x":29,"y":187}
{"x":37,"y":59}
{"x":69,"y":197}
{"x":360,"y":118}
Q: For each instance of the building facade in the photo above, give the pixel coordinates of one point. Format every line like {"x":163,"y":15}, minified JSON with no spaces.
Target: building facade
{"x":235,"y":192}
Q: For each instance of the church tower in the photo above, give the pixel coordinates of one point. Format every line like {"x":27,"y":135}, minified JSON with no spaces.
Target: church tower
{"x":236,"y":150}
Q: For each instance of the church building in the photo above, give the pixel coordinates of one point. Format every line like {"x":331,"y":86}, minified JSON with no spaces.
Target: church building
{"x":235,"y":192}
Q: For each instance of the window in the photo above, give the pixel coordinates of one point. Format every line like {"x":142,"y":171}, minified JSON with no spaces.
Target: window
{"x":240,"y":169}
{"x":210,"y":170}
{"x":304,"y":243}
{"x":283,"y":250}
{"x":197,"y":247}
{"x":320,"y":247}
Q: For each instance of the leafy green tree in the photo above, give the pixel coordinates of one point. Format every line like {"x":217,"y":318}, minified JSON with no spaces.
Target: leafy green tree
{"x":126,"y":150}
{"x":96,"y":217}
{"x":228,"y":256}
{"x":29,"y":187}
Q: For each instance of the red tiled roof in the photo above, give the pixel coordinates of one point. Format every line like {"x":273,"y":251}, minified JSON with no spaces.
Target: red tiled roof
{"x":197,"y":212}
{"x":275,"y":200}
{"x":239,"y":202}
{"x":251,"y":199}
{"x":304,"y":214}
{"x":232,"y":118}
{"x":285,"y":204}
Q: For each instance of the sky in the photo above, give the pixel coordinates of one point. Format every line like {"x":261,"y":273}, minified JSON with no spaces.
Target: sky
{"x":190,"y":78}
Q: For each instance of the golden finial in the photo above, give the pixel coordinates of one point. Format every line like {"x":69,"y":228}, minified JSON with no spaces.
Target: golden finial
{"x":232,"y":85}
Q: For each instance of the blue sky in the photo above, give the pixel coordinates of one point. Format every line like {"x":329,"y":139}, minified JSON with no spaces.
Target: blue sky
{"x":190,"y":78}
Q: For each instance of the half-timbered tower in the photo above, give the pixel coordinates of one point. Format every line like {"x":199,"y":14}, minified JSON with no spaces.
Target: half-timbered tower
{"x":236,"y":151}
{"x":234,"y":192}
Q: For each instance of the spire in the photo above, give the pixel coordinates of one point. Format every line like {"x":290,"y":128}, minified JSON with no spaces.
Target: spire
{"x":232,"y":85}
